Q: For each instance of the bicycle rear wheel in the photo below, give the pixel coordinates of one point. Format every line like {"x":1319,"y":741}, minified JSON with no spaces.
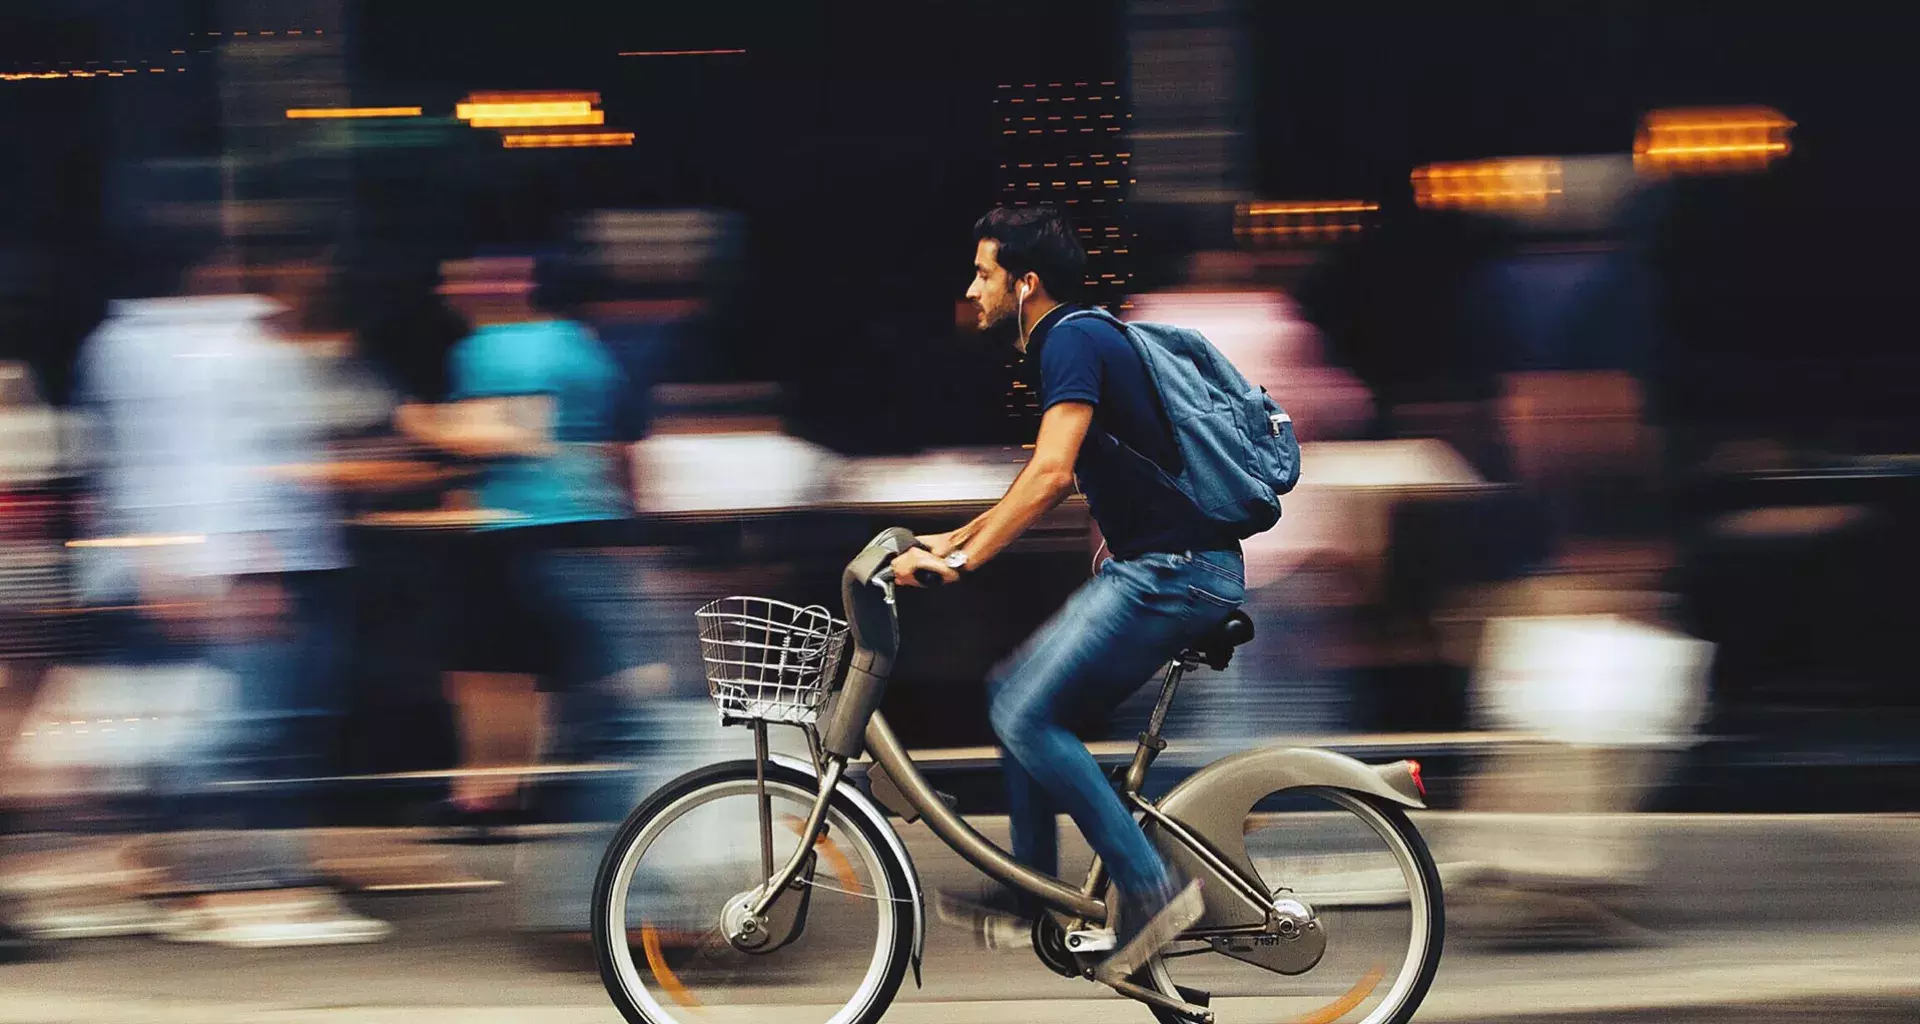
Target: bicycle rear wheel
{"x":1365,"y":872}
{"x":694,"y":846}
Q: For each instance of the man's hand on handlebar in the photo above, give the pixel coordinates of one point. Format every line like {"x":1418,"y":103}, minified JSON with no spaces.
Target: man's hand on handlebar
{"x":941,"y":544}
{"x":914,"y":561}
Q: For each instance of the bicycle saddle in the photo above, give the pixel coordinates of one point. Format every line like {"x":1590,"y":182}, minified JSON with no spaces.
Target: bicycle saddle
{"x":1215,"y":649}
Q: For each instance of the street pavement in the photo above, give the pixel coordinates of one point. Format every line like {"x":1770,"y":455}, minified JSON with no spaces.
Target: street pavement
{"x":1746,"y":919}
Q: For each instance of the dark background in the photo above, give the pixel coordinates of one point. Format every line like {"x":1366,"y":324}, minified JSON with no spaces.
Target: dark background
{"x":857,"y":140}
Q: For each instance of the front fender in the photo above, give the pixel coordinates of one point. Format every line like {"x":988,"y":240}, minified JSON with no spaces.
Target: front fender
{"x":872,"y":812}
{"x":1213,"y":804}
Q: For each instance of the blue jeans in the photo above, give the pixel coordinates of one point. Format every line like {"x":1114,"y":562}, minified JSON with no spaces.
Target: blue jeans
{"x":1110,"y":637}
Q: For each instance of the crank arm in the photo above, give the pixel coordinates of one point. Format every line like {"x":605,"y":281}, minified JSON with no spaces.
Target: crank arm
{"x":1140,"y":993}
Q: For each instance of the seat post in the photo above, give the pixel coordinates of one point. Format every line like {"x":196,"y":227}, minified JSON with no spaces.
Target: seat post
{"x":1150,"y":742}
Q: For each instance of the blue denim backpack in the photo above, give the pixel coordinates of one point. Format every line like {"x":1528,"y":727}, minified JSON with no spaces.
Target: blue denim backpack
{"x":1237,"y":450}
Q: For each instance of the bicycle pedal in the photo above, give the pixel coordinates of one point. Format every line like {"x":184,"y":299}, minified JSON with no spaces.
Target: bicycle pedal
{"x":1091,"y":940}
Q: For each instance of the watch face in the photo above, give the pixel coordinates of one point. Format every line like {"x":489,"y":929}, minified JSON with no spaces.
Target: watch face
{"x":956,"y":560}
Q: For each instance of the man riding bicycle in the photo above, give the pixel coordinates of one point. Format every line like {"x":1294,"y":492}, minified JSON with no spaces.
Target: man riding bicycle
{"x":1171,"y":576}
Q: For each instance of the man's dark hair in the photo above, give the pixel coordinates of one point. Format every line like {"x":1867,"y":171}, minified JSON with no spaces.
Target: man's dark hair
{"x":1037,"y":239}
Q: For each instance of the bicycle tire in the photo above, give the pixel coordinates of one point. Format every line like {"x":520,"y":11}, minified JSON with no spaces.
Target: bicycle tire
{"x":731,"y":773}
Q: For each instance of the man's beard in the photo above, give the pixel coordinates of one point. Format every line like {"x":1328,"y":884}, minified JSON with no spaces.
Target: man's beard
{"x":1004,"y":332}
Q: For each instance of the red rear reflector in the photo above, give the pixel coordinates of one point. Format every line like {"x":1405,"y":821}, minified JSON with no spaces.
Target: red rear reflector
{"x":1413,"y":769}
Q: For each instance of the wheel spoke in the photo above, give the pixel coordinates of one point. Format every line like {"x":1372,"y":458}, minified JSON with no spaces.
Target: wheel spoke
{"x":1353,"y":997}
{"x":657,"y":963}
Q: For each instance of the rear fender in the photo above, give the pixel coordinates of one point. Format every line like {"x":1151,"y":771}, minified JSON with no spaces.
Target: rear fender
{"x":1214,"y":802}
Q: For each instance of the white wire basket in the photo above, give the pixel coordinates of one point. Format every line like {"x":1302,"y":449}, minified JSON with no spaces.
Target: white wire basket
{"x":768,"y":659}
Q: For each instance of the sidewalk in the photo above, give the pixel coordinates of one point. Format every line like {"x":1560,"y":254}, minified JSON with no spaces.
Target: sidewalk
{"x":1756,"y":919}
{"x":1811,"y":977}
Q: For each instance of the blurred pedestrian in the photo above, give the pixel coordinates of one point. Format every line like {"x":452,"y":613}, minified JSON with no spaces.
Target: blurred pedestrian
{"x":209,"y":551}
{"x":1285,"y":682}
{"x":33,"y":586}
{"x":535,"y":403}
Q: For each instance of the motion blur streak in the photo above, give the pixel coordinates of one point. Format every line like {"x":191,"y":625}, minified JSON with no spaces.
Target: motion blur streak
{"x":376,"y":409}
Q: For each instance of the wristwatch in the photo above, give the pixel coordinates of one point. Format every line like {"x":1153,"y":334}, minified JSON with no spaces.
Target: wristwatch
{"x":957,"y":560}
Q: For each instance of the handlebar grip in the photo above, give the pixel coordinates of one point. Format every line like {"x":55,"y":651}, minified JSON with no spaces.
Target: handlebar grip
{"x":906,"y":541}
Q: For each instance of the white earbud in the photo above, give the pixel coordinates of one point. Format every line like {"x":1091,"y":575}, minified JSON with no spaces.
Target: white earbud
{"x":1020,"y":315}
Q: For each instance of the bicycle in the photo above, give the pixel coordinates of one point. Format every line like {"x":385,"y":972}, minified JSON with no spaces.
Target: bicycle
{"x":832,"y":858}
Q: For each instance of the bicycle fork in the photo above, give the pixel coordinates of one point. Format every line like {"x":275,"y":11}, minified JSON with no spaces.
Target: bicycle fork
{"x":769,"y":916}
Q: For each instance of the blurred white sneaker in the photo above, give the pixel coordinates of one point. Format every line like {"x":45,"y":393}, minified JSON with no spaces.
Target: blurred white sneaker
{"x":56,"y":919}
{"x":303,"y":917}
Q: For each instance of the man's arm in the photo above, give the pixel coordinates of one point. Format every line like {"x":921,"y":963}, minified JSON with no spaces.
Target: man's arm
{"x":1043,"y":483}
{"x":944,"y":544}
{"x":520,"y":426}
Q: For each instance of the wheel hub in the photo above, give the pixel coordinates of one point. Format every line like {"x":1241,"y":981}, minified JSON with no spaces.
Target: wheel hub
{"x":744,"y":931}
{"x":1293,"y":917}
{"x":1294,"y":940}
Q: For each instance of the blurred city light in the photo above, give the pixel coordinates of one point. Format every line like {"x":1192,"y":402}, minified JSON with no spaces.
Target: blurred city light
{"x":565,"y":140}
{"x":522,"y":111}
{"x":330,"y":113}
{"x":157,"y":541}
{"x":1710,"y":140}
{"x":41,"y":76}
{"x":1518,"y":183}
{"x":1269,"y":223}
{"x":678,"y":53}
{"x":549,"y":120}
{"x":506,"y":110}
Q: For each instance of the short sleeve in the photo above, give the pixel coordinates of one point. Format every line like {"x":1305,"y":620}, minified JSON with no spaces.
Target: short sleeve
{"x":1070,"y":367}
{"x":494,"y":364}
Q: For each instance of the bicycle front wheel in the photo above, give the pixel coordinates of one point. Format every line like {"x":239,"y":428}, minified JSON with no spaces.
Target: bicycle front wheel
{"x":694,"y":847}
{"x":1377,"y":907}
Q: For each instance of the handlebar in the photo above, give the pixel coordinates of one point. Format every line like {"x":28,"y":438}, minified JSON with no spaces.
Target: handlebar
{"x":875,"y":633}
{"x":883,"y":577}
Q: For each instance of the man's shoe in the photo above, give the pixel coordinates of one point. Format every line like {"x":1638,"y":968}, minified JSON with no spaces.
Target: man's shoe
{"x":1148,"y":927}
{"x":998,"y":920}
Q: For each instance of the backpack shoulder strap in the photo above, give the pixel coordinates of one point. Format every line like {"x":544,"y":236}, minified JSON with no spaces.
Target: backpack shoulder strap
{"x":1154,"y":470}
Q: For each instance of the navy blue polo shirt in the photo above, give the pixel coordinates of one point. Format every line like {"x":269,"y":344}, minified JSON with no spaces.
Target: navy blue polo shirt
{"x":1090,"y":360}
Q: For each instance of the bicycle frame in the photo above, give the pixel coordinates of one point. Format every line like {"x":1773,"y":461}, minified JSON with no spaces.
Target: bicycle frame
{"x":1200,"y":829}
{"x":897,"y":776}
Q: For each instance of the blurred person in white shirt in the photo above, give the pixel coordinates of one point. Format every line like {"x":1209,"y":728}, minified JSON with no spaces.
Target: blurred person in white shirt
{"x":206,"y":550}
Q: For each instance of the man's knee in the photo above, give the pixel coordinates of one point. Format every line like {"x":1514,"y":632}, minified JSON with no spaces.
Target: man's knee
{"x":1013,"y":718}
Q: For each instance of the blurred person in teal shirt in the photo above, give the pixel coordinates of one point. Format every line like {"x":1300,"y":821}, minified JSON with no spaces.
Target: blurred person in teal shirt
{"x":534,"y":404}
{"x":551,"y":382}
